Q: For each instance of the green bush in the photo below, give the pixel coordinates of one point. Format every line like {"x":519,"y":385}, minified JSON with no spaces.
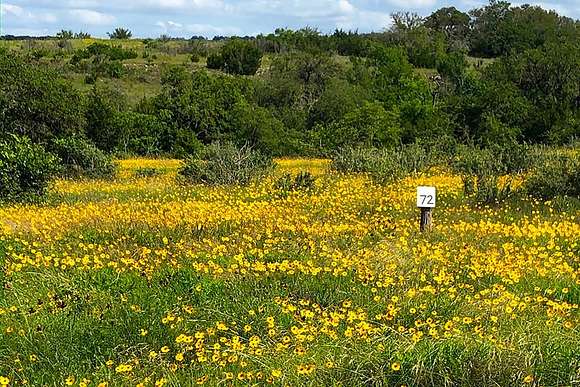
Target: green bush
{"x":113,"y":53}
{"x":482,"y":168}
{"x":26,"y":169}
{"x":354,"y":160}
{"x":303,"y":182}
{"x":80,"y":158}
{"x":236,"y":57}
{"x":215,"y":61}
{"x":225,"y":164}
{"x":555,"y":175}
{"x":399,"y":163}
{"x":148,"y":172}
{"x":384,"y":165}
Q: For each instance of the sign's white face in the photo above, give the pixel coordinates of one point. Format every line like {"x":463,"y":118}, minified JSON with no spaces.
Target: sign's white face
{"x":426,"y":197}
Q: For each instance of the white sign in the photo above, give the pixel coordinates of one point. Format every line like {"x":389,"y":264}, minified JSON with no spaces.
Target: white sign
{"x":426,"y":197}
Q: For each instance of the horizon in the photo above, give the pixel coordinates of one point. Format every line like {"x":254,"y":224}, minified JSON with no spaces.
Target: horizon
{"x":207,"y":18}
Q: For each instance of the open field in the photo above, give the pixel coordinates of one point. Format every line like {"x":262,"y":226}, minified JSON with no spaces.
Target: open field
{"x":143,"y":281}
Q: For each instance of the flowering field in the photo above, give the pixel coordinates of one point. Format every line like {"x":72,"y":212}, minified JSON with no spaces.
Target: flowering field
{"x":144,"y":281}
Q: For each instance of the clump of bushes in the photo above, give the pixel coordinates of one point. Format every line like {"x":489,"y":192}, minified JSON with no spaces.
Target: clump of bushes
{"x":482,"y":169}
{"x":80,"y":158}
{"x":354,"y":160}
{"x":555,"y":175}
{"x":148,"y":172}
{"x":226,"y":164}
{"x":236,"y":57}
{"x":384,"y":165}
{"x":302,"y":182}
{"x":113,"y":53}
{"x":26,"y":169}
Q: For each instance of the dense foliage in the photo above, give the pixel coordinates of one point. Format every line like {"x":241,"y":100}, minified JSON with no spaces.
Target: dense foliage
{"x":236,"y":57}
{"x":80,"y":158}
{"x":36,"y":103}
{"x":26,"y":169}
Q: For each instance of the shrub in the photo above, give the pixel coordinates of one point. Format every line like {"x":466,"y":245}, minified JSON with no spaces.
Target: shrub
{"x":113,"y":69}
{"x":224,"y":164}
{"x":304,"y":182}
{"x":101,"y":50}
{"x":81,"y":158}
{"x":482,"y":168}
{"x":384,"y":165}
{"x":236,"y":57}
{"x":555,"y":175}
{"x":215,"y":61}
{"x":147,"y":172}
{"x":399,"y":163}
{"x":241,"y":57}
{"x":353,"y":160}
{"x":25,"y":169}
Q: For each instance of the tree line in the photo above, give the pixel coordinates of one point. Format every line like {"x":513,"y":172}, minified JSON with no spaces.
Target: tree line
{"x":416,"y":82}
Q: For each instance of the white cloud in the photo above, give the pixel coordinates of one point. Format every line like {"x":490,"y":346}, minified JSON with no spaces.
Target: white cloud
{"x":12,"y":9}
{"x":177,"y":5}
{"x":169,"y":25}
{"x":196,"y":29}
{"x":346,"y":7}
{"x":559,"y":8}
{"x":303,"y":9}
{"x":21,"y":15}
{"x":413,"y":4}
{"x":87,"y":16}
{"x":210,"y":30}
{"x":366,"y":20}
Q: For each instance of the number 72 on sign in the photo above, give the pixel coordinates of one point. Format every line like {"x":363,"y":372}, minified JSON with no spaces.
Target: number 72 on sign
{"x":426,"y":197}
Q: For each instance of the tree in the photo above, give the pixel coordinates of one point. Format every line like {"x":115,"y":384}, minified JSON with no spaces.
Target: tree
{"x":338,"y":99}
{"x":498,"y":29}
{"x":405,"y":21}
{"x":452,"y":23}
{"x":121,"y":34}
{"x":37,"y":103}
{"x":422,"y":45}
{"x":210,"y":107}
{"x":488,"y":27}
{"x":453,"y":67}
{"x":547,"y":78}
{"x":63,"y":34}
{"x":104,"y":125}
{"x":350,"y":43}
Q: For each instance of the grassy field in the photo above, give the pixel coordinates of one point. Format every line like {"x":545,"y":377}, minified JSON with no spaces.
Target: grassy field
{"x":147,"y":282}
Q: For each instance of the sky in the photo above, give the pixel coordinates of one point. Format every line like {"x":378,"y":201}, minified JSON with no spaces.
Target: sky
{"x":185,"y":18}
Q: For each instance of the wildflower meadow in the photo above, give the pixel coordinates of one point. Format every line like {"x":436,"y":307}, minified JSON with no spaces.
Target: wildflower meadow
{"x":145,"y":281}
